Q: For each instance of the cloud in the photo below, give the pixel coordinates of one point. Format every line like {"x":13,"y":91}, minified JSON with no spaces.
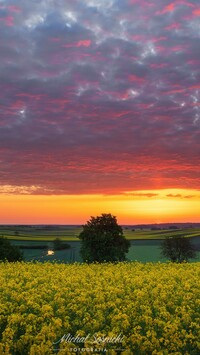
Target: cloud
{"x":179,"y":196}
{"x":22,"y":190}
{"x":168,"y":8}
{"x":99,"y":96}
{"x":196,"y":12}
{"x":140,"y":194}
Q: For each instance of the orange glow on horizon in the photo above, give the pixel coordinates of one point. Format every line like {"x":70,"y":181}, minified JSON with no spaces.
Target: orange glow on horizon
{"x":132,"y":207}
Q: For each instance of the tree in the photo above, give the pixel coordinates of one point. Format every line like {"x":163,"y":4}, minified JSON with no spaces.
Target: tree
{"x":59,"y":245}
{"x":178,"y":249}
{"x":9,"y":252}
{"x":103,"y":240}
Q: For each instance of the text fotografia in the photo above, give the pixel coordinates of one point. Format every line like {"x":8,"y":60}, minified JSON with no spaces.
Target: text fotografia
{"x":85,"y":350}
{"x":90,"y":338}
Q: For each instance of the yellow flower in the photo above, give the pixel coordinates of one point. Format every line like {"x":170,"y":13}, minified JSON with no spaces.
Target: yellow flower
{"x":153,"y":306}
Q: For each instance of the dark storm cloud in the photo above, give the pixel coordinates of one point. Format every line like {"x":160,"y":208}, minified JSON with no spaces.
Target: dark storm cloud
{"x":99,"y":96}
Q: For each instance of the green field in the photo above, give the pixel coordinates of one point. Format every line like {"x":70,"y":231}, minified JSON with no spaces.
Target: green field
{"x":40,"y":233}
{"x":160,"y":234}
{"x":71,"y":233}
{"x":36,"y":240}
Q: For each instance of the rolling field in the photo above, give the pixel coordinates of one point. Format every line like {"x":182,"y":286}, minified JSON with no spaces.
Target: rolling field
{"x":160,"y":234}
{"x":36,"y":240}
{"x":70,"y":233}
{"x":40,"y":233}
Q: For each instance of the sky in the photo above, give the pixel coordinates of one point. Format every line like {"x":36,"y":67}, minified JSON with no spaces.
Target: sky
{"x":99,"y":110}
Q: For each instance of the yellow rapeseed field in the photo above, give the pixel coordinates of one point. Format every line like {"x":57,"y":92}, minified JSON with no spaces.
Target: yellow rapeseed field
{"x":137,"y":308}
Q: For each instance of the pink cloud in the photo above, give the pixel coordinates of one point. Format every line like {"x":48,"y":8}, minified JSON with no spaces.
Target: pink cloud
{"x":158,"y":39}
{"x":173,"y":26}
{"x":178,"y":48}
{"x":168,"y":8}
{"x":194,"y":87}
{"x":79,"y":117}
{"x":136,"y":79}
{"x":196,"y":12}
{"x":9,"y":20}
{"x":139,"y":37}
{"x":14,"y":8}
{"x":30,"y":96}
{"x":193,"y":62}
{"x":157,"y":66}
{"x":186,"y":3}
{"x":82,"y":43}
{"x":85,"y":43}
{"x":132,"y":2}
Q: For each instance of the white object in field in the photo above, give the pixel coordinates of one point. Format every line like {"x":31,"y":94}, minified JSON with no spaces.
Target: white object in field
{"x":50,"y":252}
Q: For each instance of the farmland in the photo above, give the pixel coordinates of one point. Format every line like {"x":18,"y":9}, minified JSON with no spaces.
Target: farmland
{"x":40,"y":233}
{"x":36,"y":240}
{"x":150,"y":305}
{"x":70,"y":233}
{"x":151,"y":308}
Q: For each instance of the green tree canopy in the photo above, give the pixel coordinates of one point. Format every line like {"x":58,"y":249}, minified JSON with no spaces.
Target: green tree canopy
{"x":9,"y":252}
{"x":59,"y":245}
{"x":178,"y":249}
{"x":102,"y":240}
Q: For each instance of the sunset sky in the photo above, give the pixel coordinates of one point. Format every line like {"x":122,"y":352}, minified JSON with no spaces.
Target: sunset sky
{"x":99,"y":110}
